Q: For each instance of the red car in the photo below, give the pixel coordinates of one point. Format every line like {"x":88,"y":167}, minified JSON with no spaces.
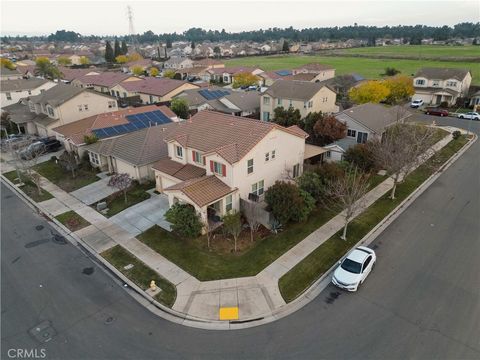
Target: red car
{"x":436,"y":111}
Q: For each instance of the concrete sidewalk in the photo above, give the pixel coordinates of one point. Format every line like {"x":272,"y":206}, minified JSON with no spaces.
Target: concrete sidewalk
{"x":256,"y":297}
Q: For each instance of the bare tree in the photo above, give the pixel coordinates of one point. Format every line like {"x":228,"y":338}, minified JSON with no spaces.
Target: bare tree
{"x":346,"y":194}
{"x":208,"y":232}
{"x":26,"y":158}
{"x":122,"y":182}
{"x":233,"y":225}
{"x":69,"y":161}
{"x":402,"y":148}
{"x":252,"y":211}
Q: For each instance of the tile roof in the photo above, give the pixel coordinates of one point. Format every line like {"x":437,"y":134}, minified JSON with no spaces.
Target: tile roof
{"x":178,"y":170}
{"x":107,"y":79}
{"x":314,"y":67}
{"x":245,"y":101}
{"x":302,"y":76}
{"x":294,"y":89}
{"x":61,"y":93}
{"x":70,"y":74}
{"x":75,"y":131}
{"x":203,"y":190}
{"x":435,"y":90}
{"x":442,"y":73}
{"x":7,"y":71}
{"x":19,"y":113}
{"x":193,"y":97}
{"x":152,"y":86}
{"x":21,"y":84}
{"x":376,"y":117}
{"x":233,"y":136}
{"x":233,"y":70}
{"x":207,"y":62}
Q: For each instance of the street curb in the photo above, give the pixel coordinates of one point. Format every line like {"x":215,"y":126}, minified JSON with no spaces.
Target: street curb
{"x":321,"y":283}
{"x":303,"y":299}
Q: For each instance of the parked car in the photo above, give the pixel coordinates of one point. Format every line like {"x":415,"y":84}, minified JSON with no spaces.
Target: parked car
{"x":354,"y":268}
{"x":436,"y":111}
{"x":416,"y":103}
{"x":470,"y":116}
{"x":51,"y":144}
{"x":42,"y":146}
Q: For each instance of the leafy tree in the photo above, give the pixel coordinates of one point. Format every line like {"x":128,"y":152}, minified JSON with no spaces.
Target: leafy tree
{"x":124,"y":48}
{"x":244,"y":79}
{"x":117,"y":51}
{"x":391,"y":71}
{"x":84,"y":60}
{"x":232,"y":223}
{"x":370,"y":91}
{"x":63,"y":60}
{"x":328,"y":129}
{"x":180,"y":107}
{"x":285,"y":46}
{"x":134,"y":57}
{"x":360,"y":156}
{"x":66,"y":36}
{"x":287,"y":117}
{"x":184,"y":219}
{"x":122,"y":182}
{"x":400,"y":87}
{"x":169,"y":73}
{"x":121,"y":59}
{"x":311,"y":182}
{"x":288,"y":202}
{"x":252,"y":213}
{"x":169,"y":43}
{"x":217,"y":51}
{"x":6,"y":63}
{"x":153,"y":71}
{"x":192,"y":45}
{"x":46,"y":69}
{"x":109,"y":54}
{"x":138,"y":70}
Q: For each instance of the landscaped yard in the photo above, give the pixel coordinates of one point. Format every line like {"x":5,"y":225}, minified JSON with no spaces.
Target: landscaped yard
{"x":72,"y":220}
{"x":298,"y":279}
{"x":141,"y":274}
{"x":368,"y":68}
{"x":29,"y":187}
{"x":63,"y":179}
{"x":136,"y":194}
{"x":194,"y":256}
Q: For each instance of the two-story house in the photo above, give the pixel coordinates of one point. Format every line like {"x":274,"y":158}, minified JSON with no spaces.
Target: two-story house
{"x":177,"y":62}
{"x":240,"y":159}
{"x":101,"y":82}
{"x":227,"y":75}
{"x":59,"y":105}
{"x":437,"y":85}
{"x":11,"y":91}
{"x":7,"y":74}
{"x":313,"y":72}
{"x":305,"y":96}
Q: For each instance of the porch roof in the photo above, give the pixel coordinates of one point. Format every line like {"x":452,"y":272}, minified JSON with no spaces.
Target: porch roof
{"x":178,"y":170}
{"x":203,"y":190}
{"x":312,"y":150}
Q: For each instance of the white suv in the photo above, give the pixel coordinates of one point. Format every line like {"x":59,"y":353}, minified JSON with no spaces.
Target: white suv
{"x":416,"y":103}
{"x":470,"y":116}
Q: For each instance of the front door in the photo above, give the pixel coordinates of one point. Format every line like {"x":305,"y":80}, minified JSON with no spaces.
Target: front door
{"x":438,"y":99}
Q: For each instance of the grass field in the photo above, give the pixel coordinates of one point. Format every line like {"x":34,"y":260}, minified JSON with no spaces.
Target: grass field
{"x":368,"y":68}
{"x":421,"y":51}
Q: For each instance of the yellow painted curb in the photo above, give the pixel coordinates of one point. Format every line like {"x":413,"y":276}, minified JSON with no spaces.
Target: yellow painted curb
{"x":229,"y":313}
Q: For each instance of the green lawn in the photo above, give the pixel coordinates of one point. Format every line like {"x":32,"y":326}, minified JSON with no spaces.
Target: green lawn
{"x":420,"y":51}
{"x":72,"y":220}
{"x":135,"y":195}
{"x":298,"y":279}
{"x":368,"y":68}
{"x":141,"y":274}
{"x":63,"y":179}
{"x":194,"y":256}
{"x":30,"y":189}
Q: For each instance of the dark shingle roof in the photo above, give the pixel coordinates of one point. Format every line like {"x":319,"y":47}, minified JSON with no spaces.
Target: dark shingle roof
{"x":21,"y":84}
{"x":59,"y":94}
{"x":293,"y":89}
{"x":442,"y":73}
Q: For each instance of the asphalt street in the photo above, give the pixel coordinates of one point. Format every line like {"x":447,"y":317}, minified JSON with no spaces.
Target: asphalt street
{"x":421,"y":301}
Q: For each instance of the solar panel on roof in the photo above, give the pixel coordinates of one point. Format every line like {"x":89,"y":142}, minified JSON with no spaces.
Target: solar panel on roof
{"x":110,"y":131}
{"x":283,"y":72}
{"x":100,"y":133}
{"x":213,"y":94}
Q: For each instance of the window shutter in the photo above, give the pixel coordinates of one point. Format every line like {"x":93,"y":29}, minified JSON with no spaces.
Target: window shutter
{"x":204,"y":160}
{"x":224,"y":170}
{"x":211,"y":166}
{"x":193,"y":156}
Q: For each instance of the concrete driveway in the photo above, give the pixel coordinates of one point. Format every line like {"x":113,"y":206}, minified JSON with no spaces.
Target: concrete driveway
{"x":138,"y":218}
{"x":94,"y":192}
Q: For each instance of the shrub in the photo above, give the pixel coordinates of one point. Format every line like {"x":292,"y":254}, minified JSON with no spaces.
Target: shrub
{"x":180,"y":107}
{"x":90,"y":139}
{"x":329,"y":172}
{"x":444,"y":104}
{"x":456,"y":134}
{"x":288,"y":202}
{"x":361,"y":156}
{"x":184,"y":219}
{"x":312,"y":184}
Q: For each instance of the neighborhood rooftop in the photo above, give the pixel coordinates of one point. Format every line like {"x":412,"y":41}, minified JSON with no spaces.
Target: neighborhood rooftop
{"x":21,"y":84}
{"x":57,"y":95}
{"x":153,"y":86}
{"x":294,"y":89}
{"x":442,"y":73}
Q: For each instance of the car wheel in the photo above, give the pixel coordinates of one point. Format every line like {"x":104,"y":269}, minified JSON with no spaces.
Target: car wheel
{"x":462,"y":117}
{"x":427,"y":113}
{"x":441,"y":115}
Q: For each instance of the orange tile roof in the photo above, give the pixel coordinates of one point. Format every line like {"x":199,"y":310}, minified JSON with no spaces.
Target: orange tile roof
{"x":179,"y":170}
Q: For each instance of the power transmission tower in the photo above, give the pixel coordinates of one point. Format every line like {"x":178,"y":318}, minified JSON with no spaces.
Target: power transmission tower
{"x":131,"y":29}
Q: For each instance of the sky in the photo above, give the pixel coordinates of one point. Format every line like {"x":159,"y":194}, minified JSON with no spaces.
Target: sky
{"x":87,"y":17}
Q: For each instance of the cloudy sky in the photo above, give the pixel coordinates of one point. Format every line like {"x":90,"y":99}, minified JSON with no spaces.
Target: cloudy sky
{"x":110,"y":17}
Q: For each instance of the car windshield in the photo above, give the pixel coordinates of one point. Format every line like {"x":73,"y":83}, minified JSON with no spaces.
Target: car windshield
{"x":351,"y":266}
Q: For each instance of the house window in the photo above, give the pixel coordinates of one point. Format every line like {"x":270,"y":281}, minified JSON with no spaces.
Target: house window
{"x":290,"y":103}
{"x":267,"y":156}
{"x":9,"y":96}
{"x":451,"y":83}
{"x":124,"y":94}
{"x":328,"y":154}
{"x":266,"y":116}
{"x":85,"y":106}
{"x":304,"y":104}
{"x":29,"y":92}
{"x":218,"y":168}
{"x":197,"y":157}
{"x":266,"y":100}
{"x":296,"y":171}
{"x":228,"y":203}
{"x":436,"y":83}
{"x":250,"y":166}
{"x":113,"y":92}
{"x":325,"y":99}
{"x":362,"y":137}
{"x":279,"y":101}
{"x":273,"y":154}
{"x":257,"y":188}
{"x":310,"y":104}
{"x":179,"y":151}
{"x":94,"y":158}
{"x":420,"y":82}
{"x":50,"y":111}
{"x":111,"y":104}
{"x":80,"y":108}
{"x":351,"y":133}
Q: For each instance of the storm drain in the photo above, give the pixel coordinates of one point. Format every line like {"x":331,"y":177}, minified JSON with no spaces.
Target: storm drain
{"x":43,"y":332}
{"x":109,"y":320}
{"x":59,"y":239}
{"x":39,"y":227}
{"x":88,"y":270}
